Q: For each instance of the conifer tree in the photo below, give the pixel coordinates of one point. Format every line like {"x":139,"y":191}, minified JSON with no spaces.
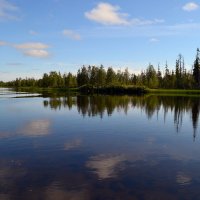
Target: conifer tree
{"x":196,"y":69}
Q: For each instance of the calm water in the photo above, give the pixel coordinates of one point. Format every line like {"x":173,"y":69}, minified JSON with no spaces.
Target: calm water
{"x":99,"y":147}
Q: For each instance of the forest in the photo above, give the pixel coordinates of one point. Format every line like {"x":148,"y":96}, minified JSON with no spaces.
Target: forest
{"x":99,"y":77}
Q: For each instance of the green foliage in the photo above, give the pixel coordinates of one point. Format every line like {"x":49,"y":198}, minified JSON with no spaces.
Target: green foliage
{"x":196,"y":70}
{"x":152,"y":77}
{"x":98,"y":78}
{"x":110,"y":76}
{"x":83,"y":76}
{"x":69,"y":80}
{"x":101,"y":76}
{"x":113,"y":89}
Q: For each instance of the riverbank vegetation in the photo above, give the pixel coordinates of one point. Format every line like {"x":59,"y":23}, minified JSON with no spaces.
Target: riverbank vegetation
{"x":98,"y":79}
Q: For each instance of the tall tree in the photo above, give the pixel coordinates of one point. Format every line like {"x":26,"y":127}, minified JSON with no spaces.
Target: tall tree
{"x":159,"y":76}
{"x":82,"y":76}
{"x":152,"y":79}
{"x":101,"y":76}
{"x":126,"y":76}
{"x":110,"y":76}
{"x":196,"y":69}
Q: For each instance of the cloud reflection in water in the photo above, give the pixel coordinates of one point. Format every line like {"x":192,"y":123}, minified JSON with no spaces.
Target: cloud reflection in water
{"x":30,"y":129}
{"x":183,"y":179}
{"x":36,"y":128}
{"x":72,"y":144}
{"x":105,"y":166}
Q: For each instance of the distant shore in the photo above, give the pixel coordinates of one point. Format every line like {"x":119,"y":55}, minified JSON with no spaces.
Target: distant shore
{"x":110,"y":90}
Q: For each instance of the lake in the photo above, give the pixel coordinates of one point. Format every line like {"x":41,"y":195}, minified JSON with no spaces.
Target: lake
{"x":99,"y":147}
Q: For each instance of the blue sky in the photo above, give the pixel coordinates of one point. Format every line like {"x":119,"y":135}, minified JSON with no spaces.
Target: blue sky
{"x":62,"y":35}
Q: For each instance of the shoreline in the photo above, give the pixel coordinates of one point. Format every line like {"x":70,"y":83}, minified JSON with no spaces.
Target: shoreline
{"x":110,"y":90}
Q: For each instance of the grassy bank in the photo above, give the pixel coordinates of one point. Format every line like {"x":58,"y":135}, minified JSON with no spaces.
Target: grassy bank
{"x":137,"y":90}
{"x":48,"y":91}
{"x":110,"y":90}
{"x":113,"y":90}
{"x":174,"y":91}
{"x":87,"y":89}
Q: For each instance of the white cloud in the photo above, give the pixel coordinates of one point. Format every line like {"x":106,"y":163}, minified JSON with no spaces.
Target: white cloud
{"x":71,"y":34}
{"x":191,"y":6}
{"x":7,"y":9}
{"x":108,"y":14}
{"x":141,"y":22}
{"x":35,"y":49}
{"x":32,"y":49}
{"x":154,"y":40}
{"x":33,"y":45}
{"x":38,"y":53}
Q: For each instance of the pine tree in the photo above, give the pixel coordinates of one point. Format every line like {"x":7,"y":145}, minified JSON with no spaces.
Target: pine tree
{"x":110,"y":76}
{"x":159,"y":76}
{"x":196,"y":70}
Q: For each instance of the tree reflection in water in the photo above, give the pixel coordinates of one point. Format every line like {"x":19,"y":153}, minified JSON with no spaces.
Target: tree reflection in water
{"x":100,"y":105}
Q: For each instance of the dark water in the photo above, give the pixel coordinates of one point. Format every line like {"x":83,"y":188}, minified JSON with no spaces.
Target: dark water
{"x":99,"y":147}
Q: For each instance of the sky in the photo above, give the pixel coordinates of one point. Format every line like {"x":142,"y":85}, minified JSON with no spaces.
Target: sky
{"x":62,"y":35}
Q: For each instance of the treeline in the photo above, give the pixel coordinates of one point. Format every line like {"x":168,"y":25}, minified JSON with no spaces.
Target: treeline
{"x":53,"y":79}
{"x":98,"y":77}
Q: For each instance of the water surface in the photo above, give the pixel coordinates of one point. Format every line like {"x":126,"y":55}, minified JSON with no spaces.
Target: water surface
{"x":99,"y":147}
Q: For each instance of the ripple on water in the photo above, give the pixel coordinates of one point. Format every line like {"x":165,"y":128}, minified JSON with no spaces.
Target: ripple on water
{"x":183,"y":179}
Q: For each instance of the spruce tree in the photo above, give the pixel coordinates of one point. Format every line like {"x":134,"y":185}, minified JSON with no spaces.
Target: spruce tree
{"x":196,"y":69}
